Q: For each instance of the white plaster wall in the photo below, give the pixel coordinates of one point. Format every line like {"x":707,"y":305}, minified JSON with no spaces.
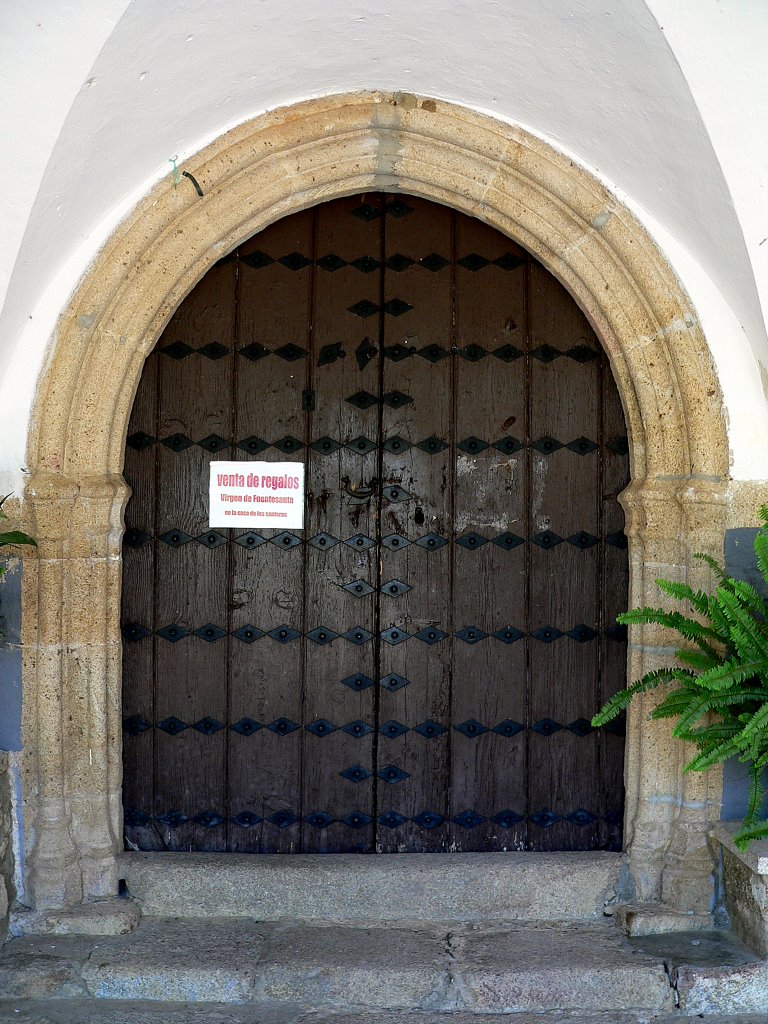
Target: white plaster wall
{"x":97,"y":103}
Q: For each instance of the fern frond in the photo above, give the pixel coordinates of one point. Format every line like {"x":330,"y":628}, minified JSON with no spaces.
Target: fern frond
{"x":732,"y":672}
{"x":717,"y":569}
{"x":745,"y":835}
{"x":713,"y":754}
{"x":713,"y":702}
{"x":698,"y":600}
{"x":675,"y":703}
{"x":613,"y":707}
{"x":691,"y":629}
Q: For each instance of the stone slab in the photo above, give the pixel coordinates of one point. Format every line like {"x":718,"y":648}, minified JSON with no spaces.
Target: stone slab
{"x":440,"y":887}
{"x":745,"y":884}
{"x":177,"y":960}
{"x":704,"y":990}
{"x":105,"y":917}
{"x":639,"y":919}
{"x":576,"y":966}
{"x":92,"y":1011}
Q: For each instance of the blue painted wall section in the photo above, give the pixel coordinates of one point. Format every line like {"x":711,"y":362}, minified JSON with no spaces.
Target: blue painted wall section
{"x":740,"y":563}
{"x":10,"y":657}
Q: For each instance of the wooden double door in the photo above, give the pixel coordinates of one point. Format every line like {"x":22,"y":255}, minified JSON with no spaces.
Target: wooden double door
{"x":416,"y":669}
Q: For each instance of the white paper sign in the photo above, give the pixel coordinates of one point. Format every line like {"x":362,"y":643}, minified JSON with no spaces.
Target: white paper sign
{"x":257,"y":494}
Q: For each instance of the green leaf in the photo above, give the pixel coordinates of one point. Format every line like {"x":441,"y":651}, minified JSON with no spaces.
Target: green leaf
{"x":16,"y":537}
{"x":613,"y":707}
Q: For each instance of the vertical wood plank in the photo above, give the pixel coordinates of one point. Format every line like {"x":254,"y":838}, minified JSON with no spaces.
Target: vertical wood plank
{"x":192,"y":570}
{"x":488,"y":772}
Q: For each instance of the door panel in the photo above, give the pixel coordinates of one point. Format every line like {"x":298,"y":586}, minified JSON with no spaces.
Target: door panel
{"x":416,"y":669}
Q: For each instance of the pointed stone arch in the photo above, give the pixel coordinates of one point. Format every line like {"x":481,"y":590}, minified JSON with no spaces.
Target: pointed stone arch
{"x":271,"y":166}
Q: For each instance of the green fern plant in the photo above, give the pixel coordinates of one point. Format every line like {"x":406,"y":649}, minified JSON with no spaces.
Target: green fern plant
{"x":720,"y":686}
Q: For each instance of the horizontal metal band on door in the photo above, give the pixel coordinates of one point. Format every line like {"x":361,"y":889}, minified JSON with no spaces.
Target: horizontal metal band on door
{"x":135,"y":725}
{"x":173,"y":633}
{"x":284,"y":818}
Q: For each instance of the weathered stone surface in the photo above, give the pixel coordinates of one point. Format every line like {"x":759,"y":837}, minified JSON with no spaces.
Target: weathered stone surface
{"x":91,"y":1011}
{"x":745,"y":881}
{"x":723,"y":990}
{"x":387,"y":967}
{"x":177,"y":960}
{"x":640,"y":919}
{"x":37,"y":969}
{"x":577,"y":966}
{"x":444,"y":887}
{"x":6,"y":849}
{"x":105,"y":917}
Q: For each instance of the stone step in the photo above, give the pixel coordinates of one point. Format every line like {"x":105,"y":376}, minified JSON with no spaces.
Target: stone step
{"x":447,"y":968}
{"x":388,"y":887}
{"x":97,"y":1011}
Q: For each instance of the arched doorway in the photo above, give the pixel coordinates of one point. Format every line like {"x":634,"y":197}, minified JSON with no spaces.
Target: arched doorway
{"x":415,"y":670}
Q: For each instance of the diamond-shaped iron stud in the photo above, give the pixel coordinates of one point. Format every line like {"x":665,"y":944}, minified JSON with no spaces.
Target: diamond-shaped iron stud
{"x":430,"y":730}
{"x":136,"y":538}
{"x":362,"y":400}
{"x":430,"y":635}
{"x":294,"y":261}
{"x":582,"y":353}
{"x":471,"y":728}
{"x":173,"y":819}
{"x":582,"y":633}
{"x":472,"y":445}
{"x":471,"y":541}
{"x":396,"y":399}
{"x":246,"y":819}
{"x":254,"y":352}
{"x":582,"y":446}
{"x":357,"y":729}
{"x":473,"y":353}
{"x":392,"y":774}
{"x":321,"y":728}
{"x":359,"y":542}
{"x":393,"y":729}
{"x":546,"y":727}
{"x":544,"y":819}
{"x":288,"y":444}
{"x":285,"y":540}
{"x":433,"y":353}
{"x":134,"y":631}
{"x":363,"y":309}
{"x":172,"y":725}
{"x":546,"y":539}
{"x":357,"y":820}
{"x":283,"y":819}
{"x":508,"y":445}
{"x":580,"y":727}
{"x":392,"y":819}
{"x":140,"y":441}
{"x":283,"y":726}
{"x":173,"y":633}
{"x":393,"y":682}
{"x":546,"y":445}
{"x":284,"y":634}
{"x":432,"y":445}
{"x":247,"y":633}
{"x":177,"y":442}
{"x":178,"y":350}
{"x":582,"y":540}
{"x":246,"y":726}
{"x":322,"y":635}
{"x":394,"y":588}
{"x":211,"y":539}
{"x":358,"y":682}
{"x":473,"y":262}
{"x":252,"y":445}
{"x":508,"y":728}
{"x":325,"y":445}
{"x":431,"y":542}
{"x":546,"y":634}
{"x":509,"y":635}
{"x":396,"y":307}
{"x":175,"y":538}
{"x":135,"y":725}
{"x":214,"y":443}
{"x":471,"y":634}
{"x":433,"y":262}
{"x":360,"y":445}
{"x":290,"y":352}
{"x":398,"y":352}
{"x":250,"y":540}
{"x":428,"y":819}
{"x":395,"y":542}
{"x":257,"y":260}
{"x":545,"y":353}
{"x":399,"y":263}
{"x":507,"y":819}
{"x":358,"y":588}
{"x":580,"y":817}
{"x":210,"y":632}
{"x":319,"y":819}
{"x":208,"y":726}
{"x":396,"y":445}
{"x":331,"y":263}
{"x":507,"y":353}
{"x":393,"y":635}
{"x":322,"y":541}
{"x":508,"y":541}
{"x":358,"y":636}
{"x":468,"y":819}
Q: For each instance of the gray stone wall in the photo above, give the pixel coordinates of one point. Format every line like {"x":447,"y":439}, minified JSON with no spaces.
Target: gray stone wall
{"x":6,"y":845}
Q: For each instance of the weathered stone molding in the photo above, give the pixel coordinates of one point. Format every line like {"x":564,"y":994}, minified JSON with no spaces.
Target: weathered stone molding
{"x":272,"y":166}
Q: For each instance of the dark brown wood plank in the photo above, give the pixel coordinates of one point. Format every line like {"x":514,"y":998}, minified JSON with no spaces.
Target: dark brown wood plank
{"x":615,"y":586}
{"x":267,"y":590}
{"x":564,"y":579}
{"x":192,"y":578}
{"x":342,"y":502}
{"x":138,"y":611}
{"x":488,"y":772}
{"x":423,"y":752}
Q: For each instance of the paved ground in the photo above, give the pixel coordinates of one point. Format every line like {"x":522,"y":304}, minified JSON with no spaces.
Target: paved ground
{"x":84,"y":1011}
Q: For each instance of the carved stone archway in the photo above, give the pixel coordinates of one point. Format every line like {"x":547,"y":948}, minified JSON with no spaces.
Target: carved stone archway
{"x":277,"y":164}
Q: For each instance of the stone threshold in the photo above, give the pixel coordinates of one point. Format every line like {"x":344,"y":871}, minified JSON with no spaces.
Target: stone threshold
{"x":384,"y":887}
{"x":745,"y":886}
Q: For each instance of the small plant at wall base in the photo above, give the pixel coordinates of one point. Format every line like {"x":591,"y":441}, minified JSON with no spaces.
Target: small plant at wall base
{"x":720,"y":697}
{"x":12,"y":537}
